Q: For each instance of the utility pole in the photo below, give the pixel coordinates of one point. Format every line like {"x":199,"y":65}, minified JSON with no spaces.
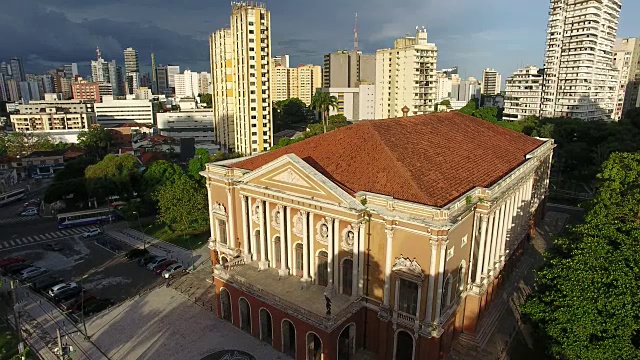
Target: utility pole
{"x":60,"y":344}
{"x":14,"y":288}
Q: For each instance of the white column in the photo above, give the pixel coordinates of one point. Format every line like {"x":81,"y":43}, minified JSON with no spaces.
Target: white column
{"x":494,"y":245}
{"x":232,"y":221}
{"x":501,"y":219}
{"x":483,"y":239}
{"x":505,"y":227}
{"x":292,"y":262}
{"x":361,"y":251}
{"x":508,"y":220}
{"x":432,"y":274}
{"x":474,"y":232}
{"x":417,"y":326}
{"x":354,"y":283}
{"x":441,"y":277}
{"x":212,"y":220}
{"x":514,"y":215}
{"x":245,"y":236}
{"x":489,"y":241}
{"x":518,"y":217}
{"x":252,"y":233}
{"x":331,"y":258}
{"x":387,"y":266}
{"x":283,"y":242}
{"x":312,"y":248}
{"x":527,"y":205}
{"x":337,"y":272}
{"x":267,"y":215}
{"x":305,"y":246}
{"x":263,"y":234}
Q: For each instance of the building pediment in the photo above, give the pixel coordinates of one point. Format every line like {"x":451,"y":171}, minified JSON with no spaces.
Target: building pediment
{"x":291,"y":175}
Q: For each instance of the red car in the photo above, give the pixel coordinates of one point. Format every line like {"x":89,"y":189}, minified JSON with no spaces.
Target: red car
{"x":10,"y":261}
{"x":163,"y":266}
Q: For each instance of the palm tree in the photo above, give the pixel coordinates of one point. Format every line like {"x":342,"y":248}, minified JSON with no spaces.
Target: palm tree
{"x":322,"y":102}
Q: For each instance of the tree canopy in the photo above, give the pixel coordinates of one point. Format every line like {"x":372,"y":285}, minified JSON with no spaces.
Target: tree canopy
{"x":113,"y":175}
{"x":322,"y":102}
{"x":22,"y":143}
{"x":289,"y":112}
{"x":198,"y":164}
{"x":206,"y":99}
{"x":585,"y":303}
{"x":183,"y":205}
{"x":97,"y":141}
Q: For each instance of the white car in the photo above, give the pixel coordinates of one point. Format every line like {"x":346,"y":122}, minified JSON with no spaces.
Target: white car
{"x":60,"y":287}
{"x":156,"y":261}
{"x":29,"y":212}
{"x":172,"y":269}
{"x":91,"y":232}
{"x":31,"y":272}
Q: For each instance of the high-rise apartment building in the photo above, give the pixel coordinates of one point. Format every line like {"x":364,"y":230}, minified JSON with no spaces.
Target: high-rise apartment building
{"x":406,"y":77}
{"x":71,"y":70}
{"x":83,"y":90}
{"x":491,"y":82}
{"x":162,"y":79}
{"x":154,"y":76}
{"x":187,"y":84}
{"x":240,"y":67}
{"x":301,"y":82}
{"x":172,"y":71}
{"x":580,"y":78}
{"x":444,"y":86}
{"x":131,"y":63}
{"x":4,"y":94}
{"x":204,"y":86}
{"x":282,"y":60}
{"x":13,"y":90}
{"x":309,"y":80}
{"x":17,"y":69}
{"x":5,"y":69}
{"x":348,"y":69}
{"x":523,"y":94}
{"x":626,"y":57}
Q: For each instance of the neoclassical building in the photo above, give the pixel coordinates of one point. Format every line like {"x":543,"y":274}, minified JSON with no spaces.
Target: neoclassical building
{"x":404,"y":225}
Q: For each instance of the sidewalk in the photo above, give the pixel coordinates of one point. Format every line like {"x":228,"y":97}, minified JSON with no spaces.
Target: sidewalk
{"x":121,"y":231}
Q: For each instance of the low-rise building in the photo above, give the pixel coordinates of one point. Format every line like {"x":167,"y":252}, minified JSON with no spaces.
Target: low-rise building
{"x":62,"y":120}
{"x":86,"y":91}
{"x":380,"y":231}
{"x":111,"y":112}
{"x":196,"y":124}
{"x":354,"y":103}
{"x":42,"y":164}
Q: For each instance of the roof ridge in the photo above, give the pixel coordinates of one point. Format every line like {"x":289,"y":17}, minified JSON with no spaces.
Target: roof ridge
{"x":407,"y":174}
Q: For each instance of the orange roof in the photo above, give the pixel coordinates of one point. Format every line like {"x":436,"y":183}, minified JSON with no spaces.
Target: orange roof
{"x":150,"y":157}
{"x":428,"y":159}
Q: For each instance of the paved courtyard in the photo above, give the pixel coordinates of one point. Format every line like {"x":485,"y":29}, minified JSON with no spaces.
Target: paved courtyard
{"x":164,"y":324}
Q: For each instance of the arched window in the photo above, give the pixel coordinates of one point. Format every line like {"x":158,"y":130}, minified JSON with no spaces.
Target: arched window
{"x":322,"y":268}
{"x":347,"y":342}
{"x":225,"y":304}
{"x":299,"y":260}
{"x":446,"y":293}
{"x":314,"y":347}
{"x":245,"y":315}
{"x":347,"y":276}
{"x":266,"y":327}
{"x":288,"y":338}
{"x":404,"y":346}
{"x":276,"y":248}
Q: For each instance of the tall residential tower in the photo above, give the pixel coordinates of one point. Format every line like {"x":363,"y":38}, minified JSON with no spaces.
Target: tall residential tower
{"x":491,"y":82}
{"x":580,"y":78}
{"x":626,"y":57}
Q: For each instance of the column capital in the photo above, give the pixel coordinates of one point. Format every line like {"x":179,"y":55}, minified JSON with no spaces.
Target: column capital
{"x":389,"y":230}
{"x":243,"y":197}
{"x":303,"y":212}
{"x":228,"y":190}
{"x":328,"y":219}
{"x":434,"y":243}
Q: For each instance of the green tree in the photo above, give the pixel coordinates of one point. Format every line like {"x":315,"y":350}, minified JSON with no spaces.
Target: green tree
{"x":183,"y":205}
{"x":289,"y":112}
{"x":337,"y":121}
{"x":198,"y":164}
{"x":322,"y":102}
{"x":206,"y":99}
{"x":445,"y":102}
{"x":97,"y":141}
{"x":113,"y":175}
{"x":159,"y":173}
{"x":21,"y":143}
{"x":286,"y":141}
{"x":585,"y":301}
{"x":471,"y":106}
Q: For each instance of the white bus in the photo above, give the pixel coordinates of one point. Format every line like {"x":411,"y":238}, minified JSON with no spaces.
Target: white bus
{"x":87,"y":217}
{"x":12,"y":196}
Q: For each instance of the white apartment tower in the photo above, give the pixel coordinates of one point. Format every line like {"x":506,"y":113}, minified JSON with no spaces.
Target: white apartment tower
{"x":406,"y":76}
{"x":626,"y":57}
{"x":580,"y":79}
{"x":187,"y":84}
{"x":245,"y":52}
{"x":491,"y":82}
{"x":523,"y":94}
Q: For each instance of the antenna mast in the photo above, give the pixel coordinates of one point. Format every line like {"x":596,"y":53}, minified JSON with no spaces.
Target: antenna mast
{"x":355,"y":35}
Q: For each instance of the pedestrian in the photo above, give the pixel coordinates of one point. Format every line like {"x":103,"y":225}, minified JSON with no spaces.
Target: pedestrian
{"x":166,"y":283}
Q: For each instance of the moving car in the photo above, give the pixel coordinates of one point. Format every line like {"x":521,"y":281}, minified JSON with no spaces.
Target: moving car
{"x":91,"y":232}
{"x":29,"y":212}
{"x":10,"y":261}
{"x":66,"y":294}
{"x":171,"y":270}
{"x":31,"y":272}
{"x":163,"y":266}
{"x":45,"y":283}
{"x":53,"y":246}
{"x":62,"y":286}
{"x":155,"y":262}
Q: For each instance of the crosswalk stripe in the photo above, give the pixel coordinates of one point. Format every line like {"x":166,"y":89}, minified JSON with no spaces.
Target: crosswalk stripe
{"x":65,"y":232}
{"x":48,"y":235}
{"x":19,"y":241}
{"x":12,"y":243}
{"x":29,"y":238}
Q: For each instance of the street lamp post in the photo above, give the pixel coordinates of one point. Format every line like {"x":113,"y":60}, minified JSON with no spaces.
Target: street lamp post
{"x":144,"y":241}
{"x":84,"y":324}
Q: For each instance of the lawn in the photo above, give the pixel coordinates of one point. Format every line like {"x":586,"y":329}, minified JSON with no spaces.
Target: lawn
{"x":193,"y":240}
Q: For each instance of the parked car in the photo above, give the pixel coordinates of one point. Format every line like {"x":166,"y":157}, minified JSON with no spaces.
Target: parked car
{"x":31,"y":272}
{"x":163,"y":266}
{"x":155,"y":262}
{"x":76,"y":303}
{"x":53,"y":246}
{"x":91,"y":232}
{"x":66,"y":294}
{"x":45,"y":283}
{"x":97,"y":306}
{"x":29,"y":212}
{"x":62,"y":286}
{"x":35,"y":203}
{"x":10,"y":261}
{"x":16,"y":268}
{"x":145,"y":260}
{"x":136,"y":253}
{"x":171,"y":270}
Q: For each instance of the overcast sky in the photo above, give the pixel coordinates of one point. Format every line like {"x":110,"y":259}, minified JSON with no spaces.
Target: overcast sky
{"x":503,"y":34}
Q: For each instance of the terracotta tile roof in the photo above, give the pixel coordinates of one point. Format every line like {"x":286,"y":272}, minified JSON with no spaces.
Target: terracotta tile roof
{"x":150,"y":157}
{"x":428,"y":159}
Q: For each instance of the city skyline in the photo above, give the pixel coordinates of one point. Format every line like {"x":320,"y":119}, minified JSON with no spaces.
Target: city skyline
{"x":181,"y":37}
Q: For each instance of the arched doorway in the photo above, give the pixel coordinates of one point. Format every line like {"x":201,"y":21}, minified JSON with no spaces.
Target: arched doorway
{"x":245,"y":315}
{"x":288,"y":338}
{"x":322,"y":268}
{"x":276,"y":249}
{"x":314,"y":347}
{"x":266,"y":327}
{"x":347,"y":343}
{"x":225,"y":304}
{"x":404,"y":346}
{"x":347,"y":276}
{"x":257,"y":241}
{"x":299,"y":260}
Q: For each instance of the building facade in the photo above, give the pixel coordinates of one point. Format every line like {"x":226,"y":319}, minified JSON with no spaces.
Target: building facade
{"x":131,"y":63}
{"x":344,"y":69}
{"x":187,"y":84}
{"x":626,"y":57}
{"x":301,"y":82}
{"x":62,"y":120}
{"x":523,"y":94}
{"x":354,"y":103}
{"x":491,"y":82}
{"x":240,"y":58}
{"x":86,"y":91}
{"x":195,"y":124}
{"x":406,"y":77}
{"x":112,"y":112}
{"x":580,"y":78}
{"x":406,"y":266}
